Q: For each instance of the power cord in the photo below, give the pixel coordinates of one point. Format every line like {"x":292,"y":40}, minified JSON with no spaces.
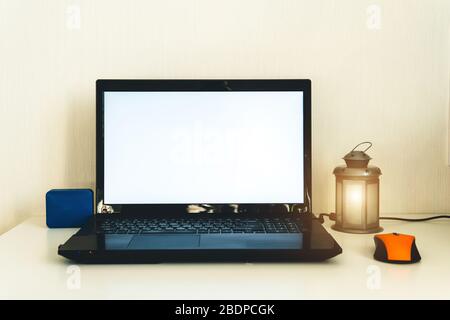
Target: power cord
{"x":443,"y":216}
{"x":332,"y":217}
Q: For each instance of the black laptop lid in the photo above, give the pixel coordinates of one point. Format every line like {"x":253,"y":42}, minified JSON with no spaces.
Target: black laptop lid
{"x":169,"y":147}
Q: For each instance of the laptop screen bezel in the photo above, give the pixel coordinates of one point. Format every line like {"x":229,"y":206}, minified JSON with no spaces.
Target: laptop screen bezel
{"x":104,"y":85}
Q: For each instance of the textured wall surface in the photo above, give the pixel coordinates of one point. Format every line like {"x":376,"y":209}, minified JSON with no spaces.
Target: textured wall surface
{"x":380,"y":72}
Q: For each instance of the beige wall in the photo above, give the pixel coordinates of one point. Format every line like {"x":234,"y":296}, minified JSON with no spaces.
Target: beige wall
{"x":387,"y":85}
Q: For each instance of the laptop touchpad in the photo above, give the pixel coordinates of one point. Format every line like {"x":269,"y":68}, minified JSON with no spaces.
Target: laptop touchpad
{"x":251,"y":241}
{"x":164,"y":241}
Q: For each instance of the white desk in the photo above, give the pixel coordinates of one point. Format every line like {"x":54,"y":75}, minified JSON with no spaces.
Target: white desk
{"x":31,"y":268}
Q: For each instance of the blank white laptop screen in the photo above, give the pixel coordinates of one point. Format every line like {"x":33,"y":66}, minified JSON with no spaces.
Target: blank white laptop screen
{"x":203,"y":147}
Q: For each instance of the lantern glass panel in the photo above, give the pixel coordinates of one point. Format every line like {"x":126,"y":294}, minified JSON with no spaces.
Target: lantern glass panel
{"x":339,"y":201}
{"x":354,"y":204}
{"x":372,"y":203}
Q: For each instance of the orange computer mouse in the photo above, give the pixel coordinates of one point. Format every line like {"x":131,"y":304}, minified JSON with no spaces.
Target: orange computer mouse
{"x":396,"y":248}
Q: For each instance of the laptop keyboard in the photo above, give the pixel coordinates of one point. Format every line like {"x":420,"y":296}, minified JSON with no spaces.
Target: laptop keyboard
{"x":198,"y":226}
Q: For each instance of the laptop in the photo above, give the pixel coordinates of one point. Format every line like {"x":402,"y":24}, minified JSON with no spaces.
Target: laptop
{"x":202,"y":170}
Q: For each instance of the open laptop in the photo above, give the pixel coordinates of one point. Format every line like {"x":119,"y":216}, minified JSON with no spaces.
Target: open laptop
{"x":202,"y":170}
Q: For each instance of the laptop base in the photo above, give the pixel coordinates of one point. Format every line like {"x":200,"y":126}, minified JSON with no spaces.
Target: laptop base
{"x":312,"y":243}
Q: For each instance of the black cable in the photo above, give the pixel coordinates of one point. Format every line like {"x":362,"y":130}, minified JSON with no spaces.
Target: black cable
{"x":416,"y":220}
{"x":332,"y":217}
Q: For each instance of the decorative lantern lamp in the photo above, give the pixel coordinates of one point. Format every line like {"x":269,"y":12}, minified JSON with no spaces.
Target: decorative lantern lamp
{"x":357,"y":193}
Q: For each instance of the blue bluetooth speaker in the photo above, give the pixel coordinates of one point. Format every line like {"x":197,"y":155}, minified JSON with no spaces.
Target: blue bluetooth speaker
{"x":68,"y":208}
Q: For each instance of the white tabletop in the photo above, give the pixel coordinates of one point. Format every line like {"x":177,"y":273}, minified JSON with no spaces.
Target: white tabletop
{"x":31,"y":268}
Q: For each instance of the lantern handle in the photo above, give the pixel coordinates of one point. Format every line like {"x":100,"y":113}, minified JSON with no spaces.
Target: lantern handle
{"x":366,"y":142}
